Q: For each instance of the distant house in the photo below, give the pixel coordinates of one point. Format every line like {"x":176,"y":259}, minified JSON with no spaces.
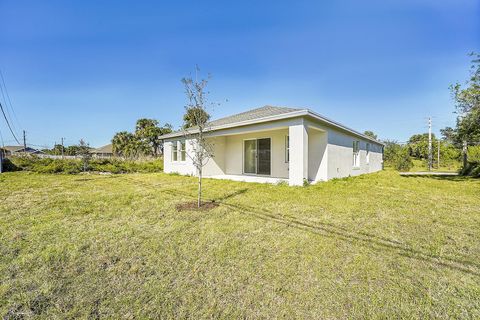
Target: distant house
{"x":18,"y":150}
{"x":272,"y":144}
{"x":103,"y":152}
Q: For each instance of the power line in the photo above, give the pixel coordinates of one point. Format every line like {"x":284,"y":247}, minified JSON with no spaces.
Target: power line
{"x":6,"y":107}
{"x":8,"y":124}
{"x":1,"y":139}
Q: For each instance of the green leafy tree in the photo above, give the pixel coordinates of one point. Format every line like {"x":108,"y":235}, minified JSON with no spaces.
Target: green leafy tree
{"x":148,"y":132}
{"x":195,"y":116}
{"x":418,"y":145}
{"x":57,"y":149}
{"x":403,"y":160}
{"x":448,"y":134}
{"x":121,"y":143}
{"x":467,"y":104}
{"x":390,"y":151}
{"x":397,"y":156}
{"x":370,"y":134}
{"x":71,"y":150}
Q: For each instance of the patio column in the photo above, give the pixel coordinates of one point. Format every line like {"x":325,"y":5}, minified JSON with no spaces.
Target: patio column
{"x":298,"y":165}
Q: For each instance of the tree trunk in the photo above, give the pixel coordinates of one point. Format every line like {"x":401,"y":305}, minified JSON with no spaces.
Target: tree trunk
{"x":199,"y":203}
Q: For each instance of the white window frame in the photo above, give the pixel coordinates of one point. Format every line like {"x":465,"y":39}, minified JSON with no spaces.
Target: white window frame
{"x":287,"y":149}
{"x":256,"y":168}
{"x":182,"y":151}
{"x":368,"y":153}
{"x":175,"y":151}
{"x":356,"y":153}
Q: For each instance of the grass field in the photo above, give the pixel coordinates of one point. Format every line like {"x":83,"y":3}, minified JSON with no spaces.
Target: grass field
{"x":374,"y":246}
{"x":422,"y":166}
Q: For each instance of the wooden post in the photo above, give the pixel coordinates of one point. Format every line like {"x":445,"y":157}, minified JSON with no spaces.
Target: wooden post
{"x":465,"y":156}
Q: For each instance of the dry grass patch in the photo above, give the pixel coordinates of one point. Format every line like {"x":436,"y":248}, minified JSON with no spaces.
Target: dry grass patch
{"x":374,"y":246}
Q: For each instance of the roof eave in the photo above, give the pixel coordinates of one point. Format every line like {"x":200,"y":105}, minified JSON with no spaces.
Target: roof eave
{"x":341,"y":126}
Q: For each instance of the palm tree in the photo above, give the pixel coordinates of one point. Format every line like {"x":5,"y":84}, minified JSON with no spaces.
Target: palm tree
{"x":121,"y":143}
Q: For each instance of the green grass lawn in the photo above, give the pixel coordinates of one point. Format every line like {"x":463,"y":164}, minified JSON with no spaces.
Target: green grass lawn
{"x":374,"y":246}
{"x":422,"y":166}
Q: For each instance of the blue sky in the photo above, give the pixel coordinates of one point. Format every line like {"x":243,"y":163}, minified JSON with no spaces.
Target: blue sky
{"x":87,"y":69}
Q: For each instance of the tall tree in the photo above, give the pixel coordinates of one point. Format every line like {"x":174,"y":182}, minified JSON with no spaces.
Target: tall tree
{"x":123,"y":144}
{"x":467,"y":104}
{"x":370,"y":134}
{"x":148,"y":132}
{"x":194,"y":115}
{"x":448,"y":134}
{"x":197,"y":114}
{"x":418,"y":145}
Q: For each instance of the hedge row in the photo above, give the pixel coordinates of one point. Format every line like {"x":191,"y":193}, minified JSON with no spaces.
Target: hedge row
{"x":74,"y":166}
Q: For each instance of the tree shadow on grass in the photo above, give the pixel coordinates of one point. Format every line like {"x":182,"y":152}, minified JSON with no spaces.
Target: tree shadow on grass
{"x":343,"y":234}
{"x":441,"y":178}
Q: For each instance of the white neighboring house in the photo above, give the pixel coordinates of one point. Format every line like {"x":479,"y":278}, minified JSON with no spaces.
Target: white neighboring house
{"x":272,"y":144}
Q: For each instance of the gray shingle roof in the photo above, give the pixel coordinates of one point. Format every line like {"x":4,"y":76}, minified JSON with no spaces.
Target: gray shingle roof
{"x":13,"y":148}
{"x":105,"y":149}
{"x":254,"y":114}
{"x":258,"y":113}
{"x":267,"y":113}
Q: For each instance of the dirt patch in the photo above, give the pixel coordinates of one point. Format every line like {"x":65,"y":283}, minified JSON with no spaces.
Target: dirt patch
{"x":193,"y":206}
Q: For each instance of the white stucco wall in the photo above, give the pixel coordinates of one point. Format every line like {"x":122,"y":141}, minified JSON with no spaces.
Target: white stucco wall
{"x":182,"y":167}
{"x":234,"y":152}
{"x":340,"y":155}
{"x":317,"y":152}
{"x":317,"y":155}
{"x":228,"y":155}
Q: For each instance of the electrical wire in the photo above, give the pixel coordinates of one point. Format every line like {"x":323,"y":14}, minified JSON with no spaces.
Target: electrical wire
{"x":7,"y":109}
{"x":9,"y":100}
{"x":8,"y":124}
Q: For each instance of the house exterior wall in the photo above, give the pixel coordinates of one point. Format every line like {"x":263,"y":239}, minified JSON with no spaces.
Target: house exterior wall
{"x":216,"y":165}
{"x":182,"y":167}
{"x":317,"y":152}
{"x":317,"y":155}
{"x":340,"y":155}
{"x":234,"y":152}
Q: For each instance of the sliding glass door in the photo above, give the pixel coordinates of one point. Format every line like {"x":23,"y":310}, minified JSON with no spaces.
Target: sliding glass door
{"x":250,"y":156}
{"x":257,"y":156}
{"x":263,"y":157}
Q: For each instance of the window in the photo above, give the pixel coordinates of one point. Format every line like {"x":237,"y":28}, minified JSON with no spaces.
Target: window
{"x":356,"y":154}
{"x":174,"y":151}
{"x":368,"y":153}
{"x":287,"y":149}
{"x":182,"y":151}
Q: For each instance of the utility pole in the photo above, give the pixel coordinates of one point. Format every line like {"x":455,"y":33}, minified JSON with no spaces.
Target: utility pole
{"x":430,"y":144}
{"x":438,"y":155}
{"x":24,"y":142}
{"x":62,"y":147}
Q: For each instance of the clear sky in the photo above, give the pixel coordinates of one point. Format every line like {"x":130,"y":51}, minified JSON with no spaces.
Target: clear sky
{"x":87,"y":69}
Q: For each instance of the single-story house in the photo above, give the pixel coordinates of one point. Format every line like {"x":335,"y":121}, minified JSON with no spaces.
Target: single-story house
{"x":103,"y":152}
{"x":18,"y":150}
{"x":272,"y":144}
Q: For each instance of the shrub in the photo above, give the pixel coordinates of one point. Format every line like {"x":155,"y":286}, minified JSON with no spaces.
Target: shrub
{"x":471,"y":169}
{"x":474,"y":154}
{"x":74,"y":166}
{"x":8,"y":165}
{"x":403,"y":160}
